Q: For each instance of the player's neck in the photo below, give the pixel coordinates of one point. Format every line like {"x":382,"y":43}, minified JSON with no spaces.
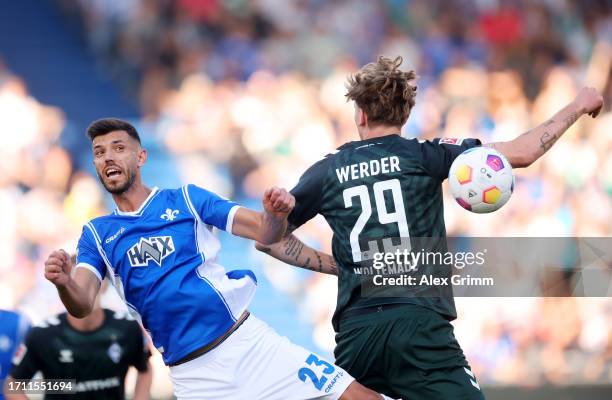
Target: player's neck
{"x":132,"y":199}
{"x":90,"y":323}
{"x":379,"y":131}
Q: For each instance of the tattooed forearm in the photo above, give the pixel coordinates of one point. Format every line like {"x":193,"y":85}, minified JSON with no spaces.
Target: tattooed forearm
{"x":293,"y":248}
{"x":324,"y":264}
{"x":320,"y":268}
{"x":522,"y":151}
{"x":547,"y":140}
{"x":292,"y":251}
{"x":307,"y":265}
{"x":570,"y":119}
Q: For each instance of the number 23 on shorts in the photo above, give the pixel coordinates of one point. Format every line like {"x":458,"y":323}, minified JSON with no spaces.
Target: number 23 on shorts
{"x":305,"y":373}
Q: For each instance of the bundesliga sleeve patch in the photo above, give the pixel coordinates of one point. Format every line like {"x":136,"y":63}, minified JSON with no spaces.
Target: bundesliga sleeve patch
{"x":19,"y":354}
{"x":454,"y":141}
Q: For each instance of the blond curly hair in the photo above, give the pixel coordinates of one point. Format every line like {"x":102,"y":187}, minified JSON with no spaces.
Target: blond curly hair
{"x":384,"y":92}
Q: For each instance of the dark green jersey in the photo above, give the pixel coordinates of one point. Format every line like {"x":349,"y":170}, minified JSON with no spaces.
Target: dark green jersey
{"x":387,"y":187}
{"x":98,"y":360}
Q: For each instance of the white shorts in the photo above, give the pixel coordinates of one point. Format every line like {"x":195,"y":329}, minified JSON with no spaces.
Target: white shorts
{"x":255,"y":362}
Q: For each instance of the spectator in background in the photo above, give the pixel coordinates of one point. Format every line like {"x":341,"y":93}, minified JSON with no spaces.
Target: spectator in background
{"x":13,"y":328}
{"x":95,"y":351}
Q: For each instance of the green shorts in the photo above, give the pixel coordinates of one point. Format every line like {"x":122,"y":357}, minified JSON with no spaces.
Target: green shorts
{"x":405,"y":351}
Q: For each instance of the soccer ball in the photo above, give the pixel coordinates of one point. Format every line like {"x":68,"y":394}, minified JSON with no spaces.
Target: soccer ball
{"x":481,"y":180}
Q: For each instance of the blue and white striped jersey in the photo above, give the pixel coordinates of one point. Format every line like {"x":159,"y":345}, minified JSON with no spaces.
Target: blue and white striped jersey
{"x":162,"y":259}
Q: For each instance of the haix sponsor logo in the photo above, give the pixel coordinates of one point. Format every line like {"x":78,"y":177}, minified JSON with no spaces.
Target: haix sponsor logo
{"x":115,"y":236}
{"x":154,"y":248}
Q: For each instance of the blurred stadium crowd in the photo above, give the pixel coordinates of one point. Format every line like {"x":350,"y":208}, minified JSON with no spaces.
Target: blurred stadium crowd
{"x":247,"y":94}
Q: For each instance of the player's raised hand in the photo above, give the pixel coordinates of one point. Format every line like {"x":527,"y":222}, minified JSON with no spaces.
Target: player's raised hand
{"x":278,"y":202}
{"x":58,"y":267}
{"x":589,"y":101}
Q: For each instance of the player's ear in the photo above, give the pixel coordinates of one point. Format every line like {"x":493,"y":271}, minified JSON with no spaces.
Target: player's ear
{"x":142,"y":157}
{"x":362,"y":117}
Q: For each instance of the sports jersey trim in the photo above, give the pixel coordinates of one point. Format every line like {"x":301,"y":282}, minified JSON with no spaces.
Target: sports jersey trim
{"x":99,"y":246}
{"x":142,"y":207}
{"x":356,"y":144}
{"x":197,"y":225}
{"x":230,"y":219}
{"x":115,"y":280}
{"x":189,"y":204}
{"x":91,"y":268}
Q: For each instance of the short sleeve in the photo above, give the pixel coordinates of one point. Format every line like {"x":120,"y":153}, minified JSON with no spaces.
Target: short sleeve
{"x":308,"y":195}
{"x":88,"y":255}
{"x":140,"y":349}
{"x":212,"y":209}
{"x":25,"y":360}
{"x":439,"y":154}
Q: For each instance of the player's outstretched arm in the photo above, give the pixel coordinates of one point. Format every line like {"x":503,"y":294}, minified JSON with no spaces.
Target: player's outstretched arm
{"x":293,"y":251}
{"x":78,"y":293}
{"x":527,"y":148}
{"x":269,"y":226}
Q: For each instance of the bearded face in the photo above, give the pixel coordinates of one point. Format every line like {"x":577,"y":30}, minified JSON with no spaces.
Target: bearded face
{"x":117,"y":159}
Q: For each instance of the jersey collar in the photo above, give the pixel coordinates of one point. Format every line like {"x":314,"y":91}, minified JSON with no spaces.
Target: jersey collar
{"x":142,"y":206}
{"x":358,"y":143}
